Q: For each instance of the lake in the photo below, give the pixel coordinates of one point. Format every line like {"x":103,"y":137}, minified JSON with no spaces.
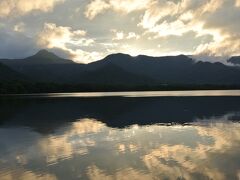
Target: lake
{"x":129,"y":135}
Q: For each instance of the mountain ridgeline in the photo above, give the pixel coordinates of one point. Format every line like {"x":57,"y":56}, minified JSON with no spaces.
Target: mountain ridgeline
{"x":115,"y":72}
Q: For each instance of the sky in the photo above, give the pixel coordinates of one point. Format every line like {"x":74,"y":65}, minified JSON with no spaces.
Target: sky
{"x":88,"y":30}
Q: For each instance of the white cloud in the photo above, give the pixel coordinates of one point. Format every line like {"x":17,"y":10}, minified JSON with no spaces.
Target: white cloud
{"x":127,"y":6}
{"x":121,"y":35}
{"x":140,"y":24}
{"x":57,"y":36}
{"x":132,"y":35}
{"x":84,"y":56}
{"x":156,"y":12}
{"x":70,"y":41}
{"x":238,"y":3}
{"x":95,"y":8}
{"x":229,"y":46}
{"x":118,"y":36}
{"x":167,"y":18}
{"x":203,"y":17}
{"x":21,"y":7}
{"x":123,"y":6}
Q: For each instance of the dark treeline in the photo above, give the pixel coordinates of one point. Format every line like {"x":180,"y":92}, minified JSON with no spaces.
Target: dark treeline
{"x":22,"y":87}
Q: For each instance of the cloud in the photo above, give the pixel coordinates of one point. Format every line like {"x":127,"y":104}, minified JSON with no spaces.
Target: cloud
{"x":176,"y":18}
{"x":124,"y":36}
{"x":123,"y":6}
{"x":169,"y":18}
{"x":228,"y":47}
{"x":156,"y":12}
{"x":68,"y":40}
{"x":225,"y":22}
{"x":21,"y":7}
{"x":118,"y":35}
{"x":57,"y":36}
{"x":151,"y":27}
{"x":238,"y":3}
{"x":203,"y":17}
{"x":132,"y":35}
{"x":127,"y":6}
{"x":95,"y":8}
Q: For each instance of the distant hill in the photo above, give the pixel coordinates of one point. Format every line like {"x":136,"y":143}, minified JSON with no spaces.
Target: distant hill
{"x":123,"y":69}
{"x":43,"y":57}
{"x":173,"y":69}
{"x":44,"y":66}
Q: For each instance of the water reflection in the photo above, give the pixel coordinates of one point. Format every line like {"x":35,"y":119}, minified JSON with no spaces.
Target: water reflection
{"x":88,"y":147}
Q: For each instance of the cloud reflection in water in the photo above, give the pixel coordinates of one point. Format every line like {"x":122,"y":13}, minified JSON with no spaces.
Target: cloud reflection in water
{"x":89,"y":149}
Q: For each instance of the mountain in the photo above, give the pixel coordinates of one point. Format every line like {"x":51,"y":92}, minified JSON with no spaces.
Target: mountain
{"x":43,"y":57}
{"x":44,"y":66}
{"x":235,"y":60}
{"x":123,"y":69}
{"x":7,"y":74}
{"x":173,"y":69}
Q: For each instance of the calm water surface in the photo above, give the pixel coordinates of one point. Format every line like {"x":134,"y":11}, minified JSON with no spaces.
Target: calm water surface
{"x":156,"y":135}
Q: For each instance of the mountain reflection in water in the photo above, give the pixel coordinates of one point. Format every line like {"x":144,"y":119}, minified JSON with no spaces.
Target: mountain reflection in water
{"x":120,"y":138}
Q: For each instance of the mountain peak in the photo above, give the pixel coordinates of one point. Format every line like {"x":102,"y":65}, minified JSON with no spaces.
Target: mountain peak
{"x":46,"y":53}
{"x":45,"y":57}
{"x":118,"y":56}
{"x":43,"y":51}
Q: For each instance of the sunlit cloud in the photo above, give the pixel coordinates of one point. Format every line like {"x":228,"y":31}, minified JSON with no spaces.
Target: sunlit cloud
{"x":223,"y":48}
{"x":118,"y":36}
{"x":168,"y":18}
{"x":132,"y":35}
{"x":151,"y":27}
{"x":238,"y":3}
{"x":121,"y":35}
{"x":172,"y":18}
{"x":21,"y":7}
{"x":66,"y":39}
{"x":156,"y":12}
{"x":123,"y":6}
{"x":95,"y":8}
{"x":57,"y":36}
